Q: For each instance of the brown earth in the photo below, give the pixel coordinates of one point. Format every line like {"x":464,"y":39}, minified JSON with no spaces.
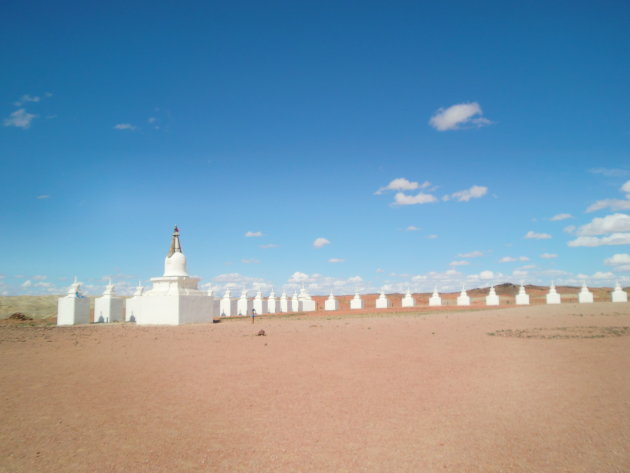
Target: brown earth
{"x":528,"y":389}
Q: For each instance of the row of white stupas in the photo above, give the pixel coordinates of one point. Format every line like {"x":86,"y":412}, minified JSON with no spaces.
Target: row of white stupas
{"x":175,"y":299}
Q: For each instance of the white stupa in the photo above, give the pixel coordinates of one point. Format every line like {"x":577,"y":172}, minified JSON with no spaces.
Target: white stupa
{"x":284,"y":302}
{"x":382,"y":302}
{"x":74,"y":307}
{"x":272,"y":303}
{"x":435,"y":300}
{"x":227,"y":305}
{"x":356,"y":302}
{"x":492,"y":298}
{"x":552,"y":296}
{"x":307,"y":304}
{"x":174,"y":298}
{"x":133,"y":304}
{"x":108,"y":307}
{"x":522,"y":298}
{"x":619,"y":295}
{"x":585,"y":296}
{"x":244,"y":305}
{"x":260,"y":304}
{"x":331,"y":303}
{"x":463,"y":298}
{"x":407,"y":300}
{"x":295,"y":302}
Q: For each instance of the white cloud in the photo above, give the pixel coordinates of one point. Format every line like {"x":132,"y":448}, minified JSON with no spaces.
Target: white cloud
{"x":20,"y":119}
{"x":537,"y":236}
{"x":27,"y":98}
{"x":549,"y":255}
{"x":613,"y":223}
{"x":420,"y":198}
{"x":27,"y":283}
{"x":269,"y":245}
{"x":233,"y":280}
{"x":486,"y":275}
{"x":402,"y":184}
{"x":617,"y":259}
{"x":412,"y":228}
{"x":559,"y":217}
{"x":474,"y":192}
{"x":458,"y":116}
{"x":459,"y":263}
{"x":511,"y":259}
{"x":601,"y":275}
{"x":626,"y":188}
{"x":472,"y":254}
{"x":614,"y":239}
{"x":319,"y":242}
{"x":253,"y":234}
{"x":124,"y":126}
{"x":570,"y":229}
{"x":432,"y":236}
{"x":612,"y":204}
{"x":336,"y":260}
{"x":250,"y":261}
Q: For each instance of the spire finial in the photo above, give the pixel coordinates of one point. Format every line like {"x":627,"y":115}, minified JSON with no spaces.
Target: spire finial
{"x":175,"y":245}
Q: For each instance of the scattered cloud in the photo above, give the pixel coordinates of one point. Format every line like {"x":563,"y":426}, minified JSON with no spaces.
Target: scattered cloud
{"x":269,"y":245}
{"x":613,"y":204}
{"x":472,"y":254}
{"x":512,"y":259}
{"x":537,"y":236}
{"x":421,"y":198}
{"x":559,"y":217}
{"x":27,"y":98}
{"x":614,"y":239}
{"x":402,"y":184}
{"x":613,"y":223}
{"x":455,"y":117}
{"x":459,"y":263}
{"x":27,"y":284}
{"x":474,"y":192}
{"x":320,"y":242}
{"x":549,"y":255}
{"x":336,"y":260}
{"x":433,"y":236}
{"x":619,"y":261}
{"x":43,"y":196}
{"x":412,"y":228}
{"x":250,"y":261}
{"x":486,"y":275}
{"x":253,"y":234}
{"x":626,"y":188}
{"x":20,"y":119}
{"x":570,"y":229}
{"x":610,"y":172}
{"x":124,"y":126}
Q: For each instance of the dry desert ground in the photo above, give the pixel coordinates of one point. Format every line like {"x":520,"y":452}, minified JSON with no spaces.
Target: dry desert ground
{"x":520,"y":389}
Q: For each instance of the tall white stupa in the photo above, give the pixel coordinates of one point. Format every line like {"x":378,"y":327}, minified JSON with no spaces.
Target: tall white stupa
{"x":407,"y":300}
{"x":585,"y":296}
{"x":307,"y":304}
{"x":382,"y":302}
{"x":175,"y":298}
{"x":295,"y":302}
{"x":272,"y":302}
{"x":74,"y":307}
{"x":552,"y":296}
{"x":522,"y":298}
{"x":435,"y":300}
{"x":331,"y":303}
{"x":133,"y":304}
{"x":260,"y":304}
{"x":227,"y":305}
{"x":356,"y":302}
{"x":284,"y":302}
{"x":492,"y":298}
{"x":463,"y":298}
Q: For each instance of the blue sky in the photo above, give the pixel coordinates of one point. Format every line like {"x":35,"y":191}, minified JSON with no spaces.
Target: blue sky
{"x":423,"y":142}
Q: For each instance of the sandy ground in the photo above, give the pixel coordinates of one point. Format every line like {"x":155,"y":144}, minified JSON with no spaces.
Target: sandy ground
{"x":534,"y":389}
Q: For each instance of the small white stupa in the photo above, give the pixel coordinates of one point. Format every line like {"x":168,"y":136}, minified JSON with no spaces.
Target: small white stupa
{"x":284,"y":302}
{"x":407,"y":300}
{"x":619,"y":295}
{"x":227,"y":305}
{"x":331,"y":303}
{"x":133,"y":304}
{"x":552,"y":296}
{"x":175,"y":298}
{"x":435,"y":299}
{"x":244,"y":305}
{"x":295,"y":302}
{"x":492,"y":298}
{"x":382,"y":302}
{"x":306,"y":301}
{"x":356,"y":302}
{"x":522,"y":298}
{"x":260,"y":304}
{"x":73,"y":308}
{"x":585,"y":296}
{"x":108,"y":307}
{"x":463,"y":298}
{"x":272,"y":305}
